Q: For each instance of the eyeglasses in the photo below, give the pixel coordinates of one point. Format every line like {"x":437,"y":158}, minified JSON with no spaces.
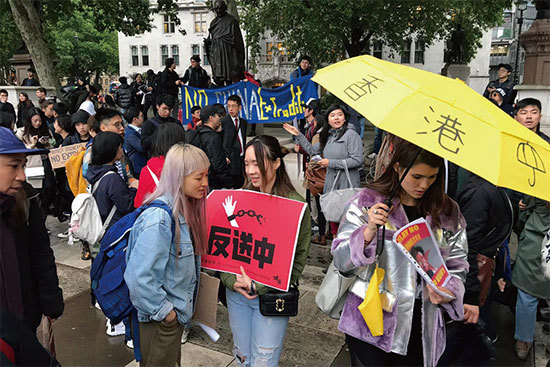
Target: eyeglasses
{"x":118,"y":125}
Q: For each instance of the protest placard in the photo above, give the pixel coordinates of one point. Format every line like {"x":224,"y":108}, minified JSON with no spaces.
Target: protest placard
{"x":254,"y":230}
{"x":417,"y":242}
{"x":60,"y":156}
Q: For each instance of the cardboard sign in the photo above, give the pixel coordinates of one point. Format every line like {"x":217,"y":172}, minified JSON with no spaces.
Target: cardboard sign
{"x":254,"y":230}
{"x":60,"y":156}
{"x":207,"y":301}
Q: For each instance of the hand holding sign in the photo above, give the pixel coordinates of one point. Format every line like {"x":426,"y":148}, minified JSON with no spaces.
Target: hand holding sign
{"x":243,"y":285}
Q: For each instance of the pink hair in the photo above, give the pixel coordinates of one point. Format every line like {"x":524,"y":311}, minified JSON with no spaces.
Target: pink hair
{"x":181,"y":161}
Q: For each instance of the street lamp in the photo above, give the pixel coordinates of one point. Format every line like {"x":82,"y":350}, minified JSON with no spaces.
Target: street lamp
{"x":521,"y":5}
{"x":76,"y":55}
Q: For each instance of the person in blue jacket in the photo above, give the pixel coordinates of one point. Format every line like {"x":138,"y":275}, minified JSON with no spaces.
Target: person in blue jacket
{"x":163,"y":255}
{"x":132,"y":140}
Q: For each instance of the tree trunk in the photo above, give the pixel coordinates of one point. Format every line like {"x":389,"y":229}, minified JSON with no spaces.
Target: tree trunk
{"x":30,"y":26}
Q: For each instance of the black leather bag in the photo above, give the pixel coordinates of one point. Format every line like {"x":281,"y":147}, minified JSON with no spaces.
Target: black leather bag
{"x":277,"y":303}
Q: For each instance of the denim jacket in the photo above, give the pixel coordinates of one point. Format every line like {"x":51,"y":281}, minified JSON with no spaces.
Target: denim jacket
{"x":158,"y":279}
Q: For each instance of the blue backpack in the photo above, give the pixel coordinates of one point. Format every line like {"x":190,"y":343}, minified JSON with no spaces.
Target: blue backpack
{"x":107,"y":272}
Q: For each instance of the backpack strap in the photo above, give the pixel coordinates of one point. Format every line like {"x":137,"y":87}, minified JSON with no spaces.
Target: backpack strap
{"x":155,"y":178}
{"x":113,"y":209}
{"x":96,"y":185}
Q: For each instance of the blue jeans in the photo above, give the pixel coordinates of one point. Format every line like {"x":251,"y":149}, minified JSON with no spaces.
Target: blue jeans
{"x":258,"y":339}
{"x":526,"y":316}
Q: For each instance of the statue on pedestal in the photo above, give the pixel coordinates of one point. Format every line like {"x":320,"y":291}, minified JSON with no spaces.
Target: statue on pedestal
{"x":225,"y":47}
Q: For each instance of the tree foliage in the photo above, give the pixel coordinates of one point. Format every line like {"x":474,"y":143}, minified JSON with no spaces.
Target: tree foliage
{"x":329,"y":30}
{"x":11,"y":40}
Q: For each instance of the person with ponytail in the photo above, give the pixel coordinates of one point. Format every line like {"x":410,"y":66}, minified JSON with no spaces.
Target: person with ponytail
{"x":163,"y":255}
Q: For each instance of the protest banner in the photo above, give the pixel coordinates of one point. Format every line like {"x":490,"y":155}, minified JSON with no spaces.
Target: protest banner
{"x":260,"y":105}
{"x":254,"y":230}
{"x":59,"y":156}
{"x":417,"y":242}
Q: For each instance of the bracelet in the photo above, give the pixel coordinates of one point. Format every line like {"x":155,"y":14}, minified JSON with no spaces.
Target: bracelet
{"x":252,"y":289}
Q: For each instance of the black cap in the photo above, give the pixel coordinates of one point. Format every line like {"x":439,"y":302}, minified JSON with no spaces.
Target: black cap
{"x":79,"y":116}
{"x":506,"y":66}
{"x":208,"y":111}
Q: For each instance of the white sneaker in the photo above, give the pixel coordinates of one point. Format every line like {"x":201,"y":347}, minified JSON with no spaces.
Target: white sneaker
{"x":130,"y":344}
{"x":371,"y":156}
{"x":115,"y":330}
{"x":184,"y":336}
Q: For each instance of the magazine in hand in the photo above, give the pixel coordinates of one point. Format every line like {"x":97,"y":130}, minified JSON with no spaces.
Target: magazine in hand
{"x":417,"y":242}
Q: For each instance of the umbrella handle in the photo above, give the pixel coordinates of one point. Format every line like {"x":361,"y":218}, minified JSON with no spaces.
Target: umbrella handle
{"x":534,"y":179}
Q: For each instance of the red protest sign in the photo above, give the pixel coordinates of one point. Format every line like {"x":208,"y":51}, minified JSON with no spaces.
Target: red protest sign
{"x":254,"y":230}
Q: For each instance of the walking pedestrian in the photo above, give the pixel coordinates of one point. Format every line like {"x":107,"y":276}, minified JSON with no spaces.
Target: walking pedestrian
{"x":259,"y":339}
{"x":414,"y":330}
{"x":163,"y":256}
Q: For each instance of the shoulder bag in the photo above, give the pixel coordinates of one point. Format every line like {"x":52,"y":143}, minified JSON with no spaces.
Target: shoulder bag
{"x":279,"y":303}
{"x":333,"y":203}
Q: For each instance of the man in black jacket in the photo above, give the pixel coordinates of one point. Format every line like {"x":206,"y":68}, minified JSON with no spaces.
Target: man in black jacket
{"x":124,"y":95}
{"x":211,"y":142}
{"x":5,"y":106}
{"x":165,"y":105}
{"x":234,"y":140}
{"x":195,"y":75}
{"x":170,"y":82}
{"x":489,"y":217}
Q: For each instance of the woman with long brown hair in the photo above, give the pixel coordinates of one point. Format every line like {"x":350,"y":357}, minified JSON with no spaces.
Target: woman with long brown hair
{"x":413,"y":325}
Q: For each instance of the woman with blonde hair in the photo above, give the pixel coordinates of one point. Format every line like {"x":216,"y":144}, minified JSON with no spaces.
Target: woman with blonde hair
{"x":163,"y":256}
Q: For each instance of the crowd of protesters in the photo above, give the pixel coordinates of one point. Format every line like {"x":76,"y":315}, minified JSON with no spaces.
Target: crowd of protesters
{"x":125,"y":151}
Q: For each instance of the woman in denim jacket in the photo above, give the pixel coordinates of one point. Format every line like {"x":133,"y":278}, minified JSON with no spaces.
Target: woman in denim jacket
{"x":414,"y":323}
{"x":163,"y":266}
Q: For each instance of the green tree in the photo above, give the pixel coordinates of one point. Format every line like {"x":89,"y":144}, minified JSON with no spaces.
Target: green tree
{"x":32,"y":18}
{"x":329,"y":30}
{"x":79,"y":48}
{"x":11,"y":40}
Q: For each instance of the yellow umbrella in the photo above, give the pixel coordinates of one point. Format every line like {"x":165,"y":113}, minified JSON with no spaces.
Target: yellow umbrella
{"x":446,"y":117}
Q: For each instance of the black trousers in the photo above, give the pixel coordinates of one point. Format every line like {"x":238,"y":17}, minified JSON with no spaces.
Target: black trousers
{"x":365,"y":354}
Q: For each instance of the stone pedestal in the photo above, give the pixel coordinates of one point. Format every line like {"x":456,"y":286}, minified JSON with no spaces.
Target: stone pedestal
{"x":21,"y":62}
{"x":536,"y":42}
{"x":542,"y":93}
{"x":455,"y":71}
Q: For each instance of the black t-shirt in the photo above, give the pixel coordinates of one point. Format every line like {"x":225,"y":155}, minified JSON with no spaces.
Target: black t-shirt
{"x":412,"y":212}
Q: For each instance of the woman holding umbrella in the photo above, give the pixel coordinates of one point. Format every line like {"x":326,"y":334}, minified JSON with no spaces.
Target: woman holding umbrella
{"x":413,"y":324}
{"x":340,"y":147}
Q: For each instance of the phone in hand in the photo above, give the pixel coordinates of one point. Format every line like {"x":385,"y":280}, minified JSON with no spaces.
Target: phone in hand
{"x":316,"y":158}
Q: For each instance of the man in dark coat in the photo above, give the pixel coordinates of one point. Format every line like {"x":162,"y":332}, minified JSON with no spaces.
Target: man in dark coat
{"x":304,"y":68}
{"x":503,"y":82}
{"x":211,"y":142}
{"x":169,"y":79}
{"x":234,"y":140}
{"x":124,"y":95}
{"x":5,"y":106}
{"x":132,"y":140}
{"x":165,"y":105}
{"x":31,"y":80}
{"x":225,"y":47}
{"x":195,"y":75}
{"x":29,"y":287}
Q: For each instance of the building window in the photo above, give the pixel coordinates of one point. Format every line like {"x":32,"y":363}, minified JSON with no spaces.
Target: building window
{"x":164,"y":54}
{"x":200,"y":22}
{"x":176,"y":54}
{"x":135,"y":57}
{"x":169,"y":25}
{"x":499,"y":50}
{"x":145,"y":55}
{"x":406,"y":53}
{"x":272,"y":49}
{"x":195,"y":49}
{"x":419,"y":49}
{"x":377,"y":49}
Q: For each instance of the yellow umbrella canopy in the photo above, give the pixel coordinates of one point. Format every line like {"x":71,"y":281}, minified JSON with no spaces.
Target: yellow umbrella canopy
{"x":444,"y":116}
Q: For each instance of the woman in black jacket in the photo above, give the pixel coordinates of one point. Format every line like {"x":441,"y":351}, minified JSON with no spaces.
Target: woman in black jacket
{"x":23,"y":107}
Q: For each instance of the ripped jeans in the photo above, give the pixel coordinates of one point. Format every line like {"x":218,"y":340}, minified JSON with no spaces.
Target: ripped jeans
{"x":258,"y":339}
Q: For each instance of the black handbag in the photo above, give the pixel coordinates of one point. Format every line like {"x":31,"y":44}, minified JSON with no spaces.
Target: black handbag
{"x":277,"y":303}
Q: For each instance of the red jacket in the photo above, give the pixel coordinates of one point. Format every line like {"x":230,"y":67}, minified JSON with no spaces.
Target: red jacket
{"x":146,"y":183}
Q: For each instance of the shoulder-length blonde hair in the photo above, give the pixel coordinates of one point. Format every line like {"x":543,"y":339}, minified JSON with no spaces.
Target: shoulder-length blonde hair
{"x":182,"y":160}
